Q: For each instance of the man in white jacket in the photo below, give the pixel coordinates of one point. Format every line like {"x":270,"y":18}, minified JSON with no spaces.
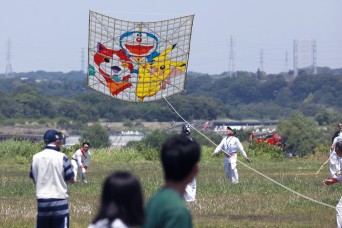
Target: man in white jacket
{"x":81,"y":160}
{"x":230,"y":145}
{"x":51,"y":173}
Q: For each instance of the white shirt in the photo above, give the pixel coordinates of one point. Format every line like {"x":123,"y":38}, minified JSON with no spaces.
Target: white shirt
{"x":337,"y":139}
{"x":83,"y":159}
{"x":103,"y":223}
{"x":230,"y":145}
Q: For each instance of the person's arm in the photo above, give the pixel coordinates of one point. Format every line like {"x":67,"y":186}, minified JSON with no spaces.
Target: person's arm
{"x":86,"y":162}
{"x":69,"y":175}
{"x":330,"y":181}
{"x":218,"y":148}
{"x":240,"y":148}
{"x":31,"y":175}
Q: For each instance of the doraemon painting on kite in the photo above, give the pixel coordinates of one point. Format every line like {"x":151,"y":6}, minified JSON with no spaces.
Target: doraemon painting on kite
{"x":138,"y":61}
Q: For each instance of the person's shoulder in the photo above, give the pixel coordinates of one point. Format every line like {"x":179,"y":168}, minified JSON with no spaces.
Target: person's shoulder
{"x":165,"y":197}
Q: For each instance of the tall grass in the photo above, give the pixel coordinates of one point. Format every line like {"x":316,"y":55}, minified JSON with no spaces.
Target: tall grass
{"x":255,"y":202}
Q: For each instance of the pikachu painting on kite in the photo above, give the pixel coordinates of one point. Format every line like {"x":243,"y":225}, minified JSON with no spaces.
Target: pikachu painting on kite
{"x":138,"y":61}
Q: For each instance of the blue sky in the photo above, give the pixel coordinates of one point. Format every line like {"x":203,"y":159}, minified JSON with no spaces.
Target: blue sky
{"x":50,"y":35}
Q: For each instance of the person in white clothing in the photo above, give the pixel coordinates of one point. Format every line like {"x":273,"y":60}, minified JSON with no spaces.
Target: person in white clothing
{"x":190,"y":190}
{"x":81,"y":160}
{"x":122,"y":203}
{"x":230,"y":145}
{"x":330,"y":181}
{"x":334,"y":160}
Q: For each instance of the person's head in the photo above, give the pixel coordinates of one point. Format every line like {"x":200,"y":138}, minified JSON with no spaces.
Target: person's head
{"x":85,"y":146}
{"x":230,"y":131}
{"x":338,"y":148}
{"x":53,"y":137}
{"x":186,"y":129}
{"x":179,"y":157}
{"x":340,"y":125}
{"x":122,"y":198}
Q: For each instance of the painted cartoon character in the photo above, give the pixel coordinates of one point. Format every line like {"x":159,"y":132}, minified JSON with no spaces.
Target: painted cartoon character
{"x":117,"y":66}
{"x":139,"y":45}
{"x":117,"y":81}
{"x":156,"y":75}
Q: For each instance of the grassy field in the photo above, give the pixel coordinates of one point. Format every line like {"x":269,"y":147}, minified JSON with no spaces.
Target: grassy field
{"x":255,"y":202}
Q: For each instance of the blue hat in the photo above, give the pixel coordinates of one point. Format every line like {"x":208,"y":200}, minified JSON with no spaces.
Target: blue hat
{"x":52,"y":136}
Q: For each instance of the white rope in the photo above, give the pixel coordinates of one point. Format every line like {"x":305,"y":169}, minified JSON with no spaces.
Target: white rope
{"x":276,"y":182}
{"x":323,"y":165}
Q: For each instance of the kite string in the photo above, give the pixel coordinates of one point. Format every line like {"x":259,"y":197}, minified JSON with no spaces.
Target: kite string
{"x":276,"y":182}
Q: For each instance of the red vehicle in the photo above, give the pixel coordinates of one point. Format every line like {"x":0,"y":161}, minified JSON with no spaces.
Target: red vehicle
{"x":272,"y":138}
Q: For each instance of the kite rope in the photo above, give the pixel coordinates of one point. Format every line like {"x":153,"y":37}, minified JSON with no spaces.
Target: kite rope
{"x":323,"y":165}
{"x":276,"y":182}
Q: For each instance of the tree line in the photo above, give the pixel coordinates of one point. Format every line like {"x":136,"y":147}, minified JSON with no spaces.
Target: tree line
{"x":65,"y":98}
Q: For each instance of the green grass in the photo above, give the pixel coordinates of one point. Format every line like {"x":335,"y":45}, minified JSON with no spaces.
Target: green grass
{"x":255,"y":202}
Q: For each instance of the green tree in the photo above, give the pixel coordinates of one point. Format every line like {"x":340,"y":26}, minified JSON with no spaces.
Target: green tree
{"x":96,"y":135}
{"x":155,"y":139}
{"x":301,"y":134}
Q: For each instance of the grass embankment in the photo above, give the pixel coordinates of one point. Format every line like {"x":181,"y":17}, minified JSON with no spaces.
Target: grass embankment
{"x":255,"y":202}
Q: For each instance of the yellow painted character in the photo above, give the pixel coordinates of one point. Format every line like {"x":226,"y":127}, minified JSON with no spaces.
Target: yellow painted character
{"x":154,"y":76}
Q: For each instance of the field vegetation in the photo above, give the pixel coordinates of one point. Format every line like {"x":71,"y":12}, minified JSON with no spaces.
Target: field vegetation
{"x":254,"y":202}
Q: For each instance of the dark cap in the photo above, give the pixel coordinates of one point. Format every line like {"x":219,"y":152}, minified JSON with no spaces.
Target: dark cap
{"x":52,"y":136}
{"x":233,"y":130}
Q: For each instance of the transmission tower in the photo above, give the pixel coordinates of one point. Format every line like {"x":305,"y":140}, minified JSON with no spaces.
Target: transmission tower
{"x":82,"y":60}
{"x":304,"y":56}
{"x":286,"y":62}
{"x":295,"y":58}
{"x":9,"y":73}
{"x":314,"y":58}
{"x":261,"y":60}
{"x":231,"y":66}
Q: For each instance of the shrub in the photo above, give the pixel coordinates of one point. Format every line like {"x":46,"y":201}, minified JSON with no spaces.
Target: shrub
{"x":264,"y":151}
{"x":96,"y":135}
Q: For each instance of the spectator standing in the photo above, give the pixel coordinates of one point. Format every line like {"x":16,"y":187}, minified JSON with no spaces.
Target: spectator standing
{"x":230,"y":145}
{"x":81,"y":160}
{"x":51,"y":171}
{"x":190,"y":190}
{"x":180,"y":161}
{"x":121,"y":202}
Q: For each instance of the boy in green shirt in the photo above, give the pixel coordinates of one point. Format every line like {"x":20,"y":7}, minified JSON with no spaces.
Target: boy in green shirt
{"x":180,"y":160}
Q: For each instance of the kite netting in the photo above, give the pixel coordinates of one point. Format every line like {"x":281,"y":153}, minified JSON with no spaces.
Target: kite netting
{"x":138,"y":61}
